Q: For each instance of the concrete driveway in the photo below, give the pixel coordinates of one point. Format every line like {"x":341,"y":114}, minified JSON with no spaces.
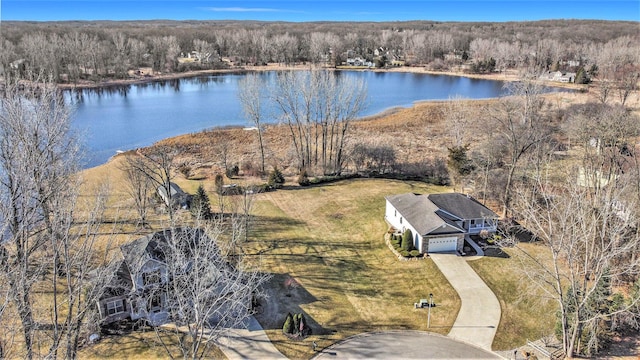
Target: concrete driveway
{"x":402,"y":345}
{"x":480,"y":312}
{"x":249,"y":343}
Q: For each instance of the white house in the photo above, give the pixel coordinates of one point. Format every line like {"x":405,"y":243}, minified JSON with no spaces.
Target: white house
{"x":439,"y":222}
{"x":178,"y":197}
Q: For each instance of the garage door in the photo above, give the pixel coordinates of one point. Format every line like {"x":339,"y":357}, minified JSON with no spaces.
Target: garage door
{"x":443,"y":244}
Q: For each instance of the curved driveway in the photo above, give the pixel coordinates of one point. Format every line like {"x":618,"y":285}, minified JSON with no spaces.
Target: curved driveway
{"x":480,"y":312}
{"x":402,"y":345}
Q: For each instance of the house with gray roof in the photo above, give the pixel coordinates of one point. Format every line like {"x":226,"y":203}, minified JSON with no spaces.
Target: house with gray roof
{"x":439,"y":222}
{"x":138,"y":289}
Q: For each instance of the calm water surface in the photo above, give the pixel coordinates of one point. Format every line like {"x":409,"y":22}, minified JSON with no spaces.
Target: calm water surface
{"x":139,"y":115}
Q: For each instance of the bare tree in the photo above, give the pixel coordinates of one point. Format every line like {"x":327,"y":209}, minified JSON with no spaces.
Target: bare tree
{"x":518,"y":126}
{"x":139,"y":186}
{"x":207,"y":294}
{"x":458,"y":118}
{"x":590,"y":240}
{"x":251,"y":90}
{"x":41,"y":242}
{"x":156,"y":163}
{"x":318,"y":108}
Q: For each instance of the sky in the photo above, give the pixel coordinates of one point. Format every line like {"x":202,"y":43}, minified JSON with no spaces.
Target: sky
{"x":320,"y":10}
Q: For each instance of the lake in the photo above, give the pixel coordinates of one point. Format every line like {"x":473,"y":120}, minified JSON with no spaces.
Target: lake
{"x":128,"y":117}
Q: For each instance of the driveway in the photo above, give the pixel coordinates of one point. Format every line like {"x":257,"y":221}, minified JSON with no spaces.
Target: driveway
{"x":249,"y":343}
{"x":402,"y":345}
{"x":480,"y":312}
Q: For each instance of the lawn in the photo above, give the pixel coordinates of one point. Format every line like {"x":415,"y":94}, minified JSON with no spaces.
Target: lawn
{"x":527,"y":314}
{"x":324,"y":247}
{"x":329,"y":240}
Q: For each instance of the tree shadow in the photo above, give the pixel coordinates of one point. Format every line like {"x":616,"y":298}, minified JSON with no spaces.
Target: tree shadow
{"x":286,"y":295}
{"x":495,"y":251}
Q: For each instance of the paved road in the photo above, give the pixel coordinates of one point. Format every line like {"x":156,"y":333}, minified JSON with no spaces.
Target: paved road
{"x":479,"y":314}
{"x":403,"y":345}
{"x":250,"y":343}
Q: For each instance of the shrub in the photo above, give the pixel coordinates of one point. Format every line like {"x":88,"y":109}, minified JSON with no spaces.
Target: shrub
{"x":287,"y":328}
{"x":303,"y":178}
{"x":296,"y":323}
{"x":232,"y":171}
{"x":414,"y":253}
{"x":404,"y":253}
{"x":407,"y":240}
{"x":276,"y":179}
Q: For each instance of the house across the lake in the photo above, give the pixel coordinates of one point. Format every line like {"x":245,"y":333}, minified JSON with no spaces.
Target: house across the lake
{"x":439,"y":222}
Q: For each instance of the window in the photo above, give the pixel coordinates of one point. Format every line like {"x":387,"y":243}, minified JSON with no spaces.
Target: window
{"x":155,"y":303}
{"x":151,"y":278}
{"x":401,"y":220}
{"x":115,"y":307}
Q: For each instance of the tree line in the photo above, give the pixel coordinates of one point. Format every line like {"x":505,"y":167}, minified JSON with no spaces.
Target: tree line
{"x":72,"y":51}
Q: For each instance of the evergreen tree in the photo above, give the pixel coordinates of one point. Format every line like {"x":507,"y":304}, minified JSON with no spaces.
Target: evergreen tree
{"x":287,"y":328}
{"x":407,"y":240}
{"x":276,"y":179}
{"x":458,"y":163}
{"x":200,"y":207}
{"x":581,"y":77}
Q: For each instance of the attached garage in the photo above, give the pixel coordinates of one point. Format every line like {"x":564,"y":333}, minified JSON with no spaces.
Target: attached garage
{"x":443,"y":244}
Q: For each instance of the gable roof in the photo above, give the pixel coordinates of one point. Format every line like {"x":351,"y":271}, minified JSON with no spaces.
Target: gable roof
{"x":462,"y":206}
{"x":421,"y":213}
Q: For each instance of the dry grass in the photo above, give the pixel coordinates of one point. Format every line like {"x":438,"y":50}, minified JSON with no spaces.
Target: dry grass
{"x":330,"y":240}
{"x":527,"y":313}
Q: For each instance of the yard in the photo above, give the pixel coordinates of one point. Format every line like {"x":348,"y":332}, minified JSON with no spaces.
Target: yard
{"x":324,"y":246}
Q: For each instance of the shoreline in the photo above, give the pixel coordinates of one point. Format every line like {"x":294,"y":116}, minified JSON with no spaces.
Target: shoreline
{"x":508,"y":76}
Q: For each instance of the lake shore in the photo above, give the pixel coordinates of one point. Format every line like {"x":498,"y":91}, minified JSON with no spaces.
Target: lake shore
{"x":509,"y":75}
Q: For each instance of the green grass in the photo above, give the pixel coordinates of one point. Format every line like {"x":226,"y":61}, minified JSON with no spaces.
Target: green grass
{"x":527,"y":314}
{"x":330,"y":240}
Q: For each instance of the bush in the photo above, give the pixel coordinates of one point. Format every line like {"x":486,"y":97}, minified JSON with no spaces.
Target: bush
{"x":232,"y":171}
{"x":414,"y":253}
{"x":276,"y":179}
{"x":404,"y":253}
{"x":303,"y":178}
{"x":287,"y":328}
{"x":296,"y":325}
{"x":407,"y":240}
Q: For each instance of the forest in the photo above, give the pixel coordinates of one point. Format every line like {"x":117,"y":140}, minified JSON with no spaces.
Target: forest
{"x":71,"y":51}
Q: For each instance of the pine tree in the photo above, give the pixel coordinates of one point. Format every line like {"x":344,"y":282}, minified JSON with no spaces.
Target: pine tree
{"x":200,"y":207}
{"x":276,"y":179}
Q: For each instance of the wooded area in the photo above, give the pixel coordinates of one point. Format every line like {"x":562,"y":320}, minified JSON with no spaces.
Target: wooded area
{"x":74,"y":51}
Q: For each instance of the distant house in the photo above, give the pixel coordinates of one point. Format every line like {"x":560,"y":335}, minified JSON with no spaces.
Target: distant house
{"x":439,"y":222}
{"x":179,"y":198}
{"x":559,"y":76}
{"x":138,"y":290}
{"x":358,"y":61}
